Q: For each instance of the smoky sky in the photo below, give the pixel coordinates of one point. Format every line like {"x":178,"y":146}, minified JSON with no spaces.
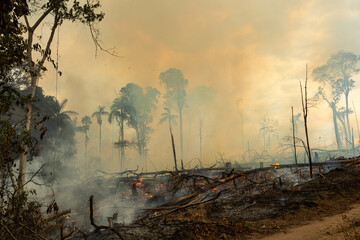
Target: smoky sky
{"x":251,"y":52}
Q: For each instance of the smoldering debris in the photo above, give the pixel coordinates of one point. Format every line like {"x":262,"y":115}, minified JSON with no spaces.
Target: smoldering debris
{"x":176,"y":205}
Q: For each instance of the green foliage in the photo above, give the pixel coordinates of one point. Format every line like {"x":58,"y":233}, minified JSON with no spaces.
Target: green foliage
{"x":16,"y":208}
{"x":12,"y":44}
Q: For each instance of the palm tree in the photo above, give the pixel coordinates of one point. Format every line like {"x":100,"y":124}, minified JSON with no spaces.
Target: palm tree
{"x":59,"y":115}
{"x":98,"y":114}
{"x":175,"y":84}
{"x":119,"y":114}
{"x":59,"y":118}
{"x":86,"y":121}
{"x":168,"y":116}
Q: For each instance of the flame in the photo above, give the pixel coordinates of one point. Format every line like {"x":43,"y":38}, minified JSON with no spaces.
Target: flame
{"x":358,"y":165}
{"x":139,"y":182}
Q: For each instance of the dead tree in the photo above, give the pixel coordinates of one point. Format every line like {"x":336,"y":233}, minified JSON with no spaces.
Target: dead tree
{"x":293,"y":131}
{"x":304,"y":103}
{"x":173,"y":148}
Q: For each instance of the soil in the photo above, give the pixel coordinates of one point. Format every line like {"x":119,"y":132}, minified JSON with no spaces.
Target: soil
{"x":340,"y":226}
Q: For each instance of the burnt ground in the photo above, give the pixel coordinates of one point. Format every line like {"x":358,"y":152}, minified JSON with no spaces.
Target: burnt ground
{"x":247,"y":205}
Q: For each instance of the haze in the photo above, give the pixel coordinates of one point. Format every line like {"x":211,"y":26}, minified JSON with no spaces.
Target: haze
{"x":251,"y":52}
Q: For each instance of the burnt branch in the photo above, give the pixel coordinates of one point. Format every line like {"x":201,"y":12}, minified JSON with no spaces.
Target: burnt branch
{"x":97,"y":227}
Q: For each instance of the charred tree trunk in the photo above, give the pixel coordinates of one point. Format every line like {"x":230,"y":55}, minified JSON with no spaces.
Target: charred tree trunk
{"x":304,"y":102}
{"x":173,"y":148}
{"x":293,"y":132}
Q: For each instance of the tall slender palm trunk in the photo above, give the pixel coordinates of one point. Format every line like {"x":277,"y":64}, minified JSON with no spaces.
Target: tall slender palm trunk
{"x":100,"y":145}
{"x":122,"y":147}
{"x":85,"y":145}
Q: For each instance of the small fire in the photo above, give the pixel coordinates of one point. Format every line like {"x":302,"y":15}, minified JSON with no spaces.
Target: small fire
{"x":357,"y":165}
{"x":139,"y":182}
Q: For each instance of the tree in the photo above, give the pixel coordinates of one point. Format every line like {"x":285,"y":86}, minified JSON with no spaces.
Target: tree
{"x":269,"y":127}
{"x":98,"y":114}
{"x":337,"y":73}
{"x":332,"y":100}
{"x":175,"y":85}
{"x":60,"y":119}
{"x":12,"y":43}
{"x":86,"y":122}
{"x":60,"y":11}
{"x":17,"y":210}
{"x":168,"y":116}
{"x":196,"y":99}
{"x":305,"y":108}
{"x":140,"y":104}
{"x":120,"y":112}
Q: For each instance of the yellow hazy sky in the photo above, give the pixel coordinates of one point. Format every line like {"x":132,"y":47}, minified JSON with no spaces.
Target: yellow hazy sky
{"x":254,"y":52}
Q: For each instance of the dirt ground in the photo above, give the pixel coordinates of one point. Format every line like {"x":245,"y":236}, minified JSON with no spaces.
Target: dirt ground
{"x":340,"y":226}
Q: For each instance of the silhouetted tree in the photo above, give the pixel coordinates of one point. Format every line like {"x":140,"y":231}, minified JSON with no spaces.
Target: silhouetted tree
{"x":332,"y":100}
{"x":269,"y":127}
{"x":305,"y":108}
{"x":86,"y":122}
{"x":120,"y":110}
{"x":168,"y":116}
{"x":98,"y":114}
{"x":175,"y":85}
{"x":338,"y":72}
{"x":140,"y":105}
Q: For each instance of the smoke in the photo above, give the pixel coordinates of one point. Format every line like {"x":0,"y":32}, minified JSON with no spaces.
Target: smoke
{"x":254,"y":51}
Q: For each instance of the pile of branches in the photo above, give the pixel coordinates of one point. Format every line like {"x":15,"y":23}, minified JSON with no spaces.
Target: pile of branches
{"x":193,"y":203}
